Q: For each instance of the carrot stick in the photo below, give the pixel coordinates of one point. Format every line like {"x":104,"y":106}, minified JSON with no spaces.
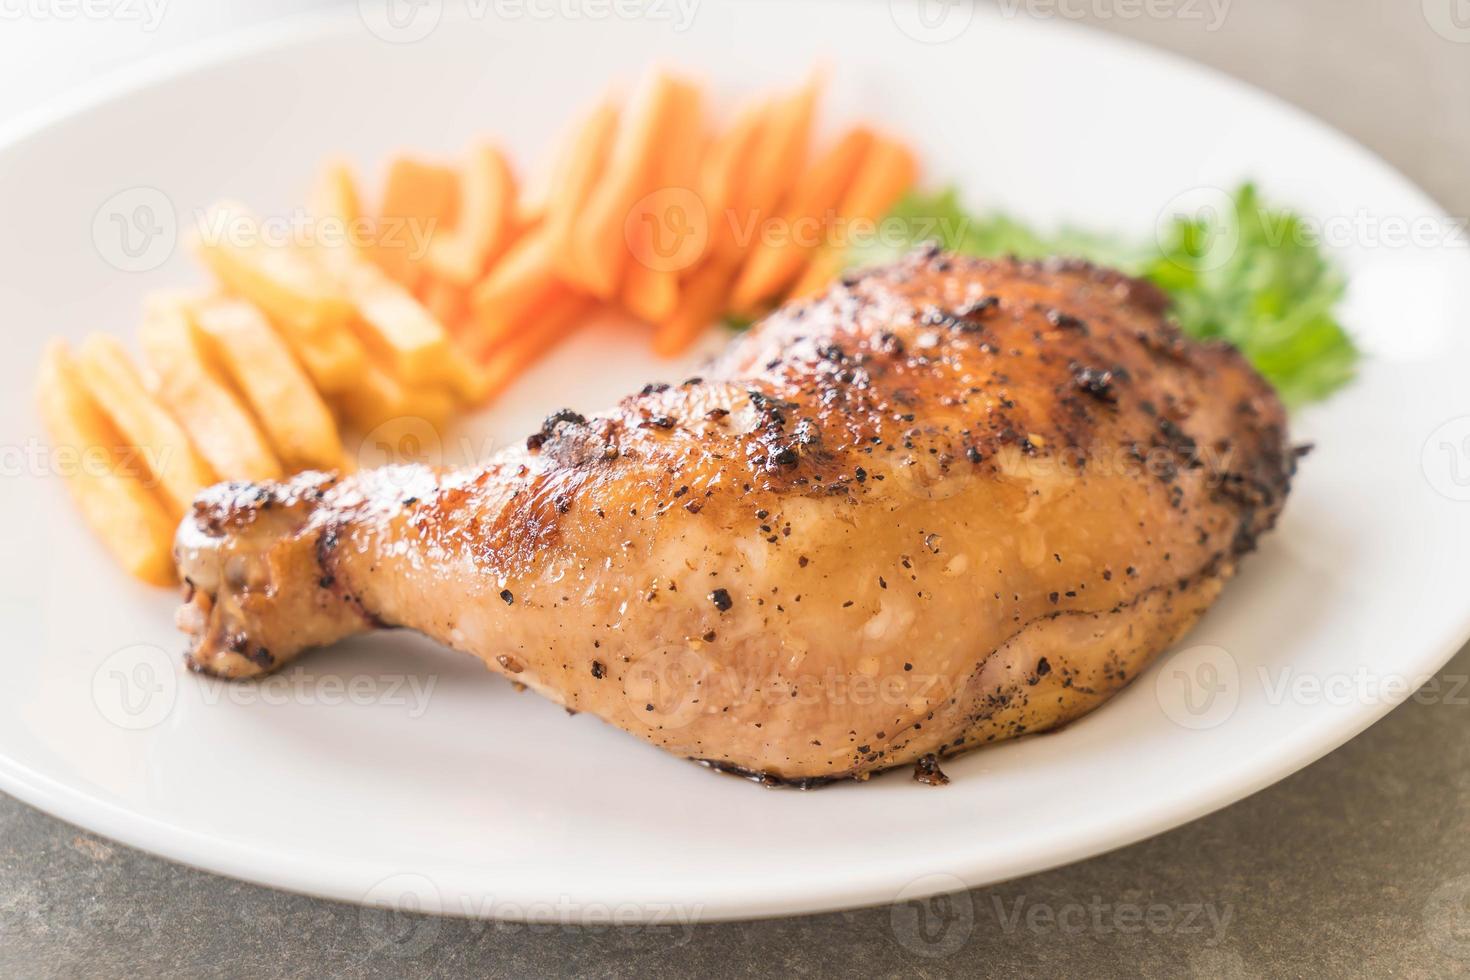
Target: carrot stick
{"x":520,"y":281}
{"x":578,"y":165}
{"x":721,"y":173}
{"x":599,"y":253}
{"x":776,"y":159}
{"x":420,"y":200}
{"x":887,"y":171}
{"x":483,"y":225}
{"x":663,"y":232}
{"x":701,"y":300}
{"x":551,"y":325}
{"x":773,"y":263}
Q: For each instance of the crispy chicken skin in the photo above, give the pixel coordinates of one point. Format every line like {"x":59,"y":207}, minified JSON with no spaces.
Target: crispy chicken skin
{"x":950,"y":502}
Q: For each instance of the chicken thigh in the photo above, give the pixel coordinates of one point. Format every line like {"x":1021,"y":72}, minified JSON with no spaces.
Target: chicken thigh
{"x":950,"y":502}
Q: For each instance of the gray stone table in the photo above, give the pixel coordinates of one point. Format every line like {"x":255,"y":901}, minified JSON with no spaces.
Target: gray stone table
{"x":1357,"y":865}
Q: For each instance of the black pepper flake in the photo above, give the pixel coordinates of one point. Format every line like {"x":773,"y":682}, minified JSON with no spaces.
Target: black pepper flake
{"x":973,"y":454}
{"x":1054,"y":597}
{"x":598,"y":670}
{"x":507,"y":596}
{"x":721,"y":599}
{"x":1066,"y":321}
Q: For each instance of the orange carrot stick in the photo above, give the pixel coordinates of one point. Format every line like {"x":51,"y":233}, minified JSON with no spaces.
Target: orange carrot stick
{"x":599,"y":253}
{"x":776,"y":160}
{"x":484,"y":222}
{"x":551,"y":325}
{"x":664,"y":232}
{"x":721,"y":173}
{"x":420,"y":201}
{"x":702,"y":298}
{"x":519,"y":283}
{"x":888,"y":170}
{"x":573,"y":176}
{"x":774,"y":263}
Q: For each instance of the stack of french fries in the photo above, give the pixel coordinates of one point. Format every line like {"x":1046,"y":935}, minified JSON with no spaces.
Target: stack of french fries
{"x":444,"y":297}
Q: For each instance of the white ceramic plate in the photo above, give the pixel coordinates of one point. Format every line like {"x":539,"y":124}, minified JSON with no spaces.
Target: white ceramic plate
{"x":433,"y":783}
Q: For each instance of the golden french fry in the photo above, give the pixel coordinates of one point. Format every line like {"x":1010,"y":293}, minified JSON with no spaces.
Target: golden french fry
{"x":257,"y":360}
{"x":129,"y":518}
{"x":274,"y":277}
{"x":220,"y":427}
{"x":375,"y":399}
{"x":114,"y":385}
{"x":392,"y":323}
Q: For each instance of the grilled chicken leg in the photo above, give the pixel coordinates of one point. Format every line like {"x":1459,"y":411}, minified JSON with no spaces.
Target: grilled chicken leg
{"x":952,"y":501}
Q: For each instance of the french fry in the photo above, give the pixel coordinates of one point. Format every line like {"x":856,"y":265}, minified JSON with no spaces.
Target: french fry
{"x":273,"y":277}
{"x":376,"y":398}
{"x":129,"y":518}
{"x":598,"y":251}
{"x":296,"y":420}
{"x":552,"y":324}
{"x":391,"y":323}
{"x":521,"y":281}
{"x":662,"y":231}
{"x":420,"y":202}
{"x":334,"y":197}
{"x":114,"y":385}
{"x":887,"y":171}
{"x":702,"y":298}
{"x":222,"y":430}
{"x":333,"y":360}
{"x":382,"y":398}
{"x":574,"y":176}
{"x":772,"y":265}
{"x":484,"y":224}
